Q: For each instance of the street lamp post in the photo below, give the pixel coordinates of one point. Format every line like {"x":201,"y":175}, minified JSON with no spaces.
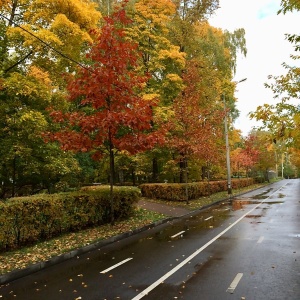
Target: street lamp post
{"x":227,"y":150}
{"x":229,"y":188}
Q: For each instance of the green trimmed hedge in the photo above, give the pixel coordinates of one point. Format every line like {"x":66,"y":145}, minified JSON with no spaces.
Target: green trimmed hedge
{"x":26,"y":220}
{"x":177,"y":191}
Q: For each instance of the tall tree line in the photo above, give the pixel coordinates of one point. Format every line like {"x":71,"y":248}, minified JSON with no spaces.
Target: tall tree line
{"x":189,"y":65}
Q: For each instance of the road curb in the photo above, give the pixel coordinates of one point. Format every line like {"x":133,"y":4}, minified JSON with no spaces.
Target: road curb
{"x":17,"y":274}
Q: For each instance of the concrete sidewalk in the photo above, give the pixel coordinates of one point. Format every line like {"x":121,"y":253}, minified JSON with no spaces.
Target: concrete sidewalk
{"x":171,"y":211}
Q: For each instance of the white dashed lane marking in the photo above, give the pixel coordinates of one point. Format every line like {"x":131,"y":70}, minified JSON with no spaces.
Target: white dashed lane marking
{"x":234,"y":283}
{"x":177,"y":234}
{"x":260,"y":239}
{"x":115,"y":266}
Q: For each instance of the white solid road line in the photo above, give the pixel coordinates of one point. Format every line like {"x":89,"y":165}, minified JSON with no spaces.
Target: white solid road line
{"x":260,"y":239}
{"x":234,"y":283}
{"x":208,"y":218}
{"x":115,"y":266}
{"x":177,"y":234}
{"x":184,"y":262}
{"x":179,"y":266}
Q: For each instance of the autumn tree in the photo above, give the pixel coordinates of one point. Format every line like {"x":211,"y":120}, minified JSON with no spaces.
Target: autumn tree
{"x":110,"y":111}
{"x":245,"y":156}
{"x":295,"y":161}
{"x":189,"y":13}
{"x":282,"y":119}
{"x":262,"y":149}
{"x":25,"y":159}
{"x":195,"y":127}
{"x":40,"y":40}
{"x":214,"y":50}
{"x":160,"y":58}
{"x":168,"y":33}
{"x":53,"y":35}
{"x":290,"y":6}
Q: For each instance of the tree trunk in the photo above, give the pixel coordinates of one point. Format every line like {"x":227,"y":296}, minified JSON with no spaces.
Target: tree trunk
{"x":186,"y":181}
{"x":111,"y":180}
{"x":121,"y":176}
{"x":182,"y":170}
{"x":267,"y":176}
{"x":203,"y":168}
{"x":133,"y":177}
{"x":14,"y":177}
{"x":154,"y":170}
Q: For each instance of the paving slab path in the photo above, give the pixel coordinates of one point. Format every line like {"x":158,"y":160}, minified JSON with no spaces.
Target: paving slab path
{"x":172,"y":211}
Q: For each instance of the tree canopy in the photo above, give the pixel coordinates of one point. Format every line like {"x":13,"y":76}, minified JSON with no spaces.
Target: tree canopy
{"x":137,"y":85}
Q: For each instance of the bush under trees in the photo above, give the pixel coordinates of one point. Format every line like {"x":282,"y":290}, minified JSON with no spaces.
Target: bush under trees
{"x":27,"y":220}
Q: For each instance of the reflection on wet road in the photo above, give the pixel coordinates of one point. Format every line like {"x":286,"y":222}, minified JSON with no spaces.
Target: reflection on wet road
{"x":238,"y":248}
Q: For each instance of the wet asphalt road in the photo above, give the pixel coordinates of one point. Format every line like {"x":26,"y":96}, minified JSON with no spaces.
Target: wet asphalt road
{"x":244,"y":249}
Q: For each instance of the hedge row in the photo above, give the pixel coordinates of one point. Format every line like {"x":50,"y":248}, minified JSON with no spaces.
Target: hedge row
{"x":26,"y":220}
{"x":178,"y":191}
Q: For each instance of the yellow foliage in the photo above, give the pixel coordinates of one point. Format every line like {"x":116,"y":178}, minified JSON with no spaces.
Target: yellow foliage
{"x":29,"y":86}
{"x":16,"y":33}
{"x":157,"y":11}
{"x":40,"y":75}
{"x":205,"y":30}
{"x":33,"y":119}
{"x":173,"y":53}
{"x":82,"y":12}
{"x":4,"y":4}
{"x":63,"y":27}
{"x":174,"y":78}
{"x":235,"y":137}
{"x":57,"y":23}
{"x":173,"y":83}
{"x":163,"y":113}
{"x":150,"y":97}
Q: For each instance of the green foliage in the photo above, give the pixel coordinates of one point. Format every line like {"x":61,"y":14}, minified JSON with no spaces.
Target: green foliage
{"x":27,"y":220}
{"x":289,"y":5}
{"x":38,"y":60}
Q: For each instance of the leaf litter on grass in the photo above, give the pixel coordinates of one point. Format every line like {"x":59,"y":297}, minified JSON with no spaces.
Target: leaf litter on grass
{"x":43,"y":251}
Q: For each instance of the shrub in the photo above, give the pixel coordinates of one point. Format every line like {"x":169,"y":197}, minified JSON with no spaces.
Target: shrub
{"x":178,"y":191}
{"x":26,"y":220}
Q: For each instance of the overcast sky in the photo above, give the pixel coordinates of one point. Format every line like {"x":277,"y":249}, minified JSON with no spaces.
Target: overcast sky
{"x":266,"y":45}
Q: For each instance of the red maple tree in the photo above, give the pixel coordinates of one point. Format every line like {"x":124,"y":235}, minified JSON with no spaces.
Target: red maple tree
{"x":245,"y":158}
{"x":110,"y":114}
{"x":197,"y":126}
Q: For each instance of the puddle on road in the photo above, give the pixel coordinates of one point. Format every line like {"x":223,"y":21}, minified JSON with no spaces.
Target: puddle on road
{"x":274,"y":202}
{"x":262,"y":195}
{"x":238,"y":204}
{"x":207,"y":219}
{"x":253,"y":216}
{"x":210,"y":218}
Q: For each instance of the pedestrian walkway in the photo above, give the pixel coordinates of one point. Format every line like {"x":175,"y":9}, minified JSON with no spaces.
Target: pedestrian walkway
{"x":172,"y":211}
